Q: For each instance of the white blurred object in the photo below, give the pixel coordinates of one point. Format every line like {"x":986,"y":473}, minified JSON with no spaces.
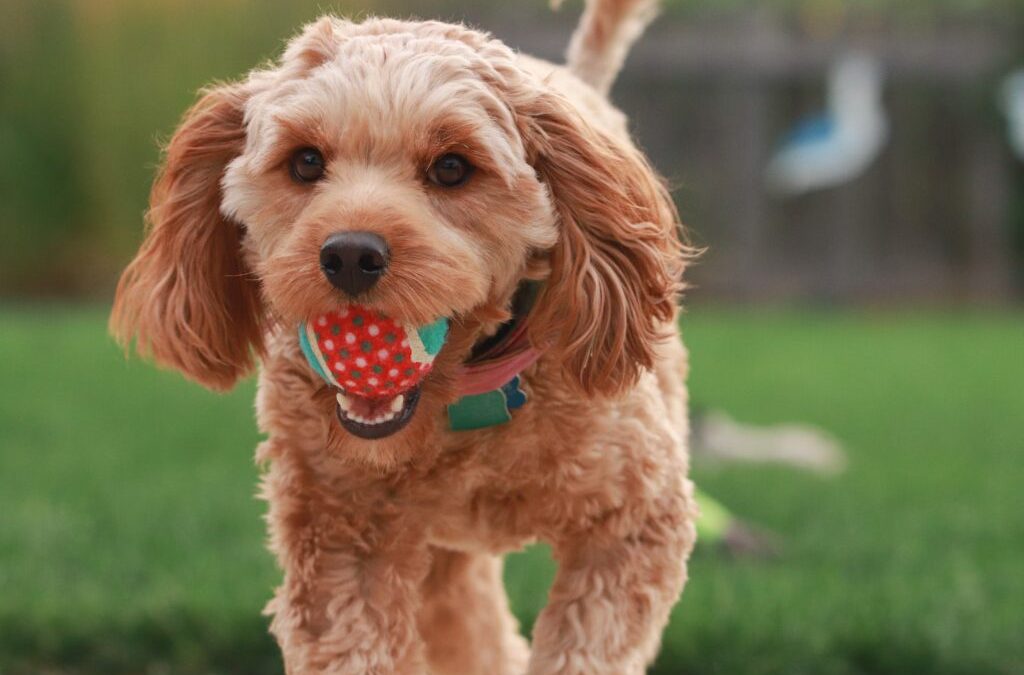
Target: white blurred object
{"x":1013,"y":106}
{"x":840,"y":144}
{"x":716,"y":436}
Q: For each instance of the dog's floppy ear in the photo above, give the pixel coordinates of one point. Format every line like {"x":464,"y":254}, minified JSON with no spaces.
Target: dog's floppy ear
{"x":187,"y":298}
{"x":616,"y":270}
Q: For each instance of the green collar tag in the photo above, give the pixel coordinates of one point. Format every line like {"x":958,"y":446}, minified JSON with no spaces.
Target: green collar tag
{"x":479,"y":411}
{"x":489,"y":409}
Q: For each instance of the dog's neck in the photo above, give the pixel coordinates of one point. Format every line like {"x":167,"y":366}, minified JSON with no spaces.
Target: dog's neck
{"x":489,"y":379}
{"x":496,"y":359}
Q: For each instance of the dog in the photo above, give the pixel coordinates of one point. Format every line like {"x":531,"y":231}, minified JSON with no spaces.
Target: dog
{"x":504,"y":193}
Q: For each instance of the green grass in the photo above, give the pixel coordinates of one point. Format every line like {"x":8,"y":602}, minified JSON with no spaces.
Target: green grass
{"x":130,"y":541}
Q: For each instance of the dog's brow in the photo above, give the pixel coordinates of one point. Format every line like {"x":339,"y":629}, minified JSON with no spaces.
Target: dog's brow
{"x":480,"y":142}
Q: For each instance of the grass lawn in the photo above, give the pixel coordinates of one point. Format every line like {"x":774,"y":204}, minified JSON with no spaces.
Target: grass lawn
{"x":130,"y":541}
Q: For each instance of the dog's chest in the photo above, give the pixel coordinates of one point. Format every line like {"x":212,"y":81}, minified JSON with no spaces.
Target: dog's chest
{"x":481,"y":524}
{"x":501,"y":495}
{"x":482,"y":493}
{"x":479,"y":503}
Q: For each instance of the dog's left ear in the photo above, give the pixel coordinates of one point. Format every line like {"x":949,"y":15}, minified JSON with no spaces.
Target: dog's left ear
{"x":616,"y":269}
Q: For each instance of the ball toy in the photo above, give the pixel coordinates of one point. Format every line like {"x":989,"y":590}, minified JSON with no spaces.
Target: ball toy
{"x":367,"y":354}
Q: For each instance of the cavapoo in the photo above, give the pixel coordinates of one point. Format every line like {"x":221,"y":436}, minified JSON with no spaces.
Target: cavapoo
{"x":421,"y":170}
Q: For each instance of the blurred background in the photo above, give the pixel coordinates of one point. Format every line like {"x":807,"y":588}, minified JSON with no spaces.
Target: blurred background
{"x":856,"y":172}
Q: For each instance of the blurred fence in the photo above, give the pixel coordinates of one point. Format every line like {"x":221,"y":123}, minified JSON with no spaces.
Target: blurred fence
{"x":86,"y":86}
{"x":938,"y":217}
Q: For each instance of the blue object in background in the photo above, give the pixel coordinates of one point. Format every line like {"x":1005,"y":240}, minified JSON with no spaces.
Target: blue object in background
{"x":811,"y":130}
{"x":840,"y":144}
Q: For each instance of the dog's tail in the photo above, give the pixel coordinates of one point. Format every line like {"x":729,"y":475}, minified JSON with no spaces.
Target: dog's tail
{"x":607,"y":29}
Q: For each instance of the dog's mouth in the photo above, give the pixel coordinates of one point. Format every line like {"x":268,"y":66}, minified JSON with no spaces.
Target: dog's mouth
{"x":486,"y":369}
{"x":378,"y":417}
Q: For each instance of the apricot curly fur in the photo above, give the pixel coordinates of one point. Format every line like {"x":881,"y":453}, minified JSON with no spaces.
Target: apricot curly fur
{"x":391,"y":549}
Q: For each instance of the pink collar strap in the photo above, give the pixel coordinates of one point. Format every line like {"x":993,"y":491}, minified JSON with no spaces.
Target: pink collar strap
{"x":489,"y":381}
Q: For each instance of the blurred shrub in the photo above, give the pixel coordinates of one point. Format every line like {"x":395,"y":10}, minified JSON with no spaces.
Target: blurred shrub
{"x":41,"y":187}
{"x":89,"y":87}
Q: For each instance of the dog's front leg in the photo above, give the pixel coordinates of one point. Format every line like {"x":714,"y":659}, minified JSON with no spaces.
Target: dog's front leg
{"x":351,"y":589}
{"x":465,"y":619}
{"x":616,"y":583}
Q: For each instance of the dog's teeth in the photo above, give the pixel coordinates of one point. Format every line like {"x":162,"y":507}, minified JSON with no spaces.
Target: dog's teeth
{"x":384,"y":415}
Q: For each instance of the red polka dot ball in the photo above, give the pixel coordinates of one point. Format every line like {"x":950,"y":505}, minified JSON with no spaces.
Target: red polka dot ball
{"x":368,"y":354}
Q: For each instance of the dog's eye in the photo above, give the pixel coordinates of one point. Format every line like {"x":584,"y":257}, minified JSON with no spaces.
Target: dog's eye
{"x":450,"y":170}
{"x":307,"y":165}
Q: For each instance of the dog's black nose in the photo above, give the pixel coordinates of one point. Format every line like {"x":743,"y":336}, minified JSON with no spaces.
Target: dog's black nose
{"x":354,"y":261}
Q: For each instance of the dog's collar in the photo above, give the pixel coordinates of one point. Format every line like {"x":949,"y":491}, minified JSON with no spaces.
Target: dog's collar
{"x":489,"y":380}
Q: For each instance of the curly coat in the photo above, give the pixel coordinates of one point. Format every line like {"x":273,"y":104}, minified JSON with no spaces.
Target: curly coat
{"x":391,"y":549}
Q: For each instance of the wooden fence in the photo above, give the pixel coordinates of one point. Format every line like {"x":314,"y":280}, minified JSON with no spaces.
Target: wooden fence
{"x":930,"y":221}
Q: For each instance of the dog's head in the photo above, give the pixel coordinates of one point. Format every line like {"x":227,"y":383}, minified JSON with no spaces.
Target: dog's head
{"x":422,"y":160}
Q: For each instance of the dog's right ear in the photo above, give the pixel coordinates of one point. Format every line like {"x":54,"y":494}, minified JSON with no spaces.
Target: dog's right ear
{"x":187,"y":299}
